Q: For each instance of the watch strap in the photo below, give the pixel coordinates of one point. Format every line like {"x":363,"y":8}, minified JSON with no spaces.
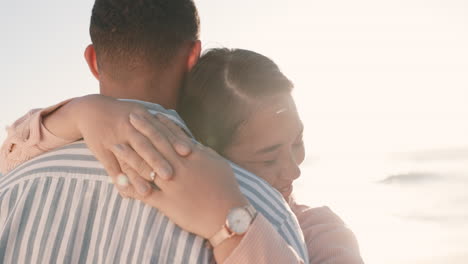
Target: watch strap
{"x":222,"y":235}
{"x":251,"y":211}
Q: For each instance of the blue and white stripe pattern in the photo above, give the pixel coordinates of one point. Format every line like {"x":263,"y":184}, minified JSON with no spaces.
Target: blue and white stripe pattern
{"x":61,"y":208}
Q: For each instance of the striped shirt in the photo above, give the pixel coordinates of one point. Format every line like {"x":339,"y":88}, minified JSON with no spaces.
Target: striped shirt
{"x":61,"y":207}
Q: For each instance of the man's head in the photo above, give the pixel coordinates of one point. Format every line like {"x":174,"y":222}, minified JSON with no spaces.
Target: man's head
{"x":145,"y":40}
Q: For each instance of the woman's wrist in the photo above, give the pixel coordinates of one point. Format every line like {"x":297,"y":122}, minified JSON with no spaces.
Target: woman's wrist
{"x":225,"y":249}
{"x":63,"y":121}
{"x":83,"y":111}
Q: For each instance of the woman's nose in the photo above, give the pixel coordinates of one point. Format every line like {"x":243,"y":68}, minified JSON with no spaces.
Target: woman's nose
{"x":291,"y":171}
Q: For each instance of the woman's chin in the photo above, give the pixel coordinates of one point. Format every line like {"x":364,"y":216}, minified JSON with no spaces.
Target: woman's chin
{"x":287,"y":193}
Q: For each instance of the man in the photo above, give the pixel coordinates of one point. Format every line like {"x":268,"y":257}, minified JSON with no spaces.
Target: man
{"x":59,"y":207}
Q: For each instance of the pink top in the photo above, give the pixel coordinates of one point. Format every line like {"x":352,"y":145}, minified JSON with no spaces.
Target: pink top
{"x":327,"y":237}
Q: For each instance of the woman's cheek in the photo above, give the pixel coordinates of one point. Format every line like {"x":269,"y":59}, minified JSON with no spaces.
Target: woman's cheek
{"x":267,"y":174}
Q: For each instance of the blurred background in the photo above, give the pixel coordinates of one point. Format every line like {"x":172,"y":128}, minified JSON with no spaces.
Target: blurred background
{"x":381,"y":87}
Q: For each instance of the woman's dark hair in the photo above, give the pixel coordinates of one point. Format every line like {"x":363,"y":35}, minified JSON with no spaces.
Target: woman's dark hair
{"x":223,"y":89}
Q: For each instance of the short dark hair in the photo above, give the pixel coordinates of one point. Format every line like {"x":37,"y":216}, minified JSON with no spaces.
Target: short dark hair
{"x":222,"y":90}
{"x":129,"y":32}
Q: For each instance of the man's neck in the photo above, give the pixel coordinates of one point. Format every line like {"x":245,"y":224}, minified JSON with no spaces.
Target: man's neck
{"x":162,"y":92}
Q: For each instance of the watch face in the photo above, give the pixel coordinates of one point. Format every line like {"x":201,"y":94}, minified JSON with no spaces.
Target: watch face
{"x":239,"y":220}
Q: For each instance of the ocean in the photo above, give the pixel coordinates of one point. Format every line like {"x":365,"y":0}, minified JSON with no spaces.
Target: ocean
{"x":404,"y":208}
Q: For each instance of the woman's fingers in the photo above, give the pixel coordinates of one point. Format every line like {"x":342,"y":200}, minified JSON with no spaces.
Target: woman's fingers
{"x":183,"y":145}
{"x":112,"y":166}
{"x":141,"y":188}
{"x":160,"y":136}
{"x":149,"y":153}
{"x":108,"y":161}
{"x":133,"y":166}
{"x":123,"y":186}
{"x":151,"y":126}
{"x":127,"y":184}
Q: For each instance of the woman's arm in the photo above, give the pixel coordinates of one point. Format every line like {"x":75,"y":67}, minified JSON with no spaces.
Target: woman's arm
{"x":28,"y":138}
{"x":103,"y":122}
{"x":42,"y":130}
{"x":327,"y":237}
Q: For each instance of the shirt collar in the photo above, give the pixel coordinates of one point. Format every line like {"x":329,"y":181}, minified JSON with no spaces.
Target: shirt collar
{"x":158,"y":109}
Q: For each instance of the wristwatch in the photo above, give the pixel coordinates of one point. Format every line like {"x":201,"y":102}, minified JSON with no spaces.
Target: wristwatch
{"x":237,"y":222}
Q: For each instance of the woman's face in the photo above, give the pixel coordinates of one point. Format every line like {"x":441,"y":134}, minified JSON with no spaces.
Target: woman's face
{"x":270,"y":144}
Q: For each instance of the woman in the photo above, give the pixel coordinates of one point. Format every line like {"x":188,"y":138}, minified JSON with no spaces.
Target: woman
{"x":238,"y":103}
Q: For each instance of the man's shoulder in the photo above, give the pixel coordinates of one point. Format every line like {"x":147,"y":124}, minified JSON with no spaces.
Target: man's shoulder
{"x":156,"y":109}
{"x":73,"y":161}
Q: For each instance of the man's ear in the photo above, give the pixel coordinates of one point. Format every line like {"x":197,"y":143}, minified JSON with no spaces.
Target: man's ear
{"x":90,"y":57}
{"x":194,"y":55}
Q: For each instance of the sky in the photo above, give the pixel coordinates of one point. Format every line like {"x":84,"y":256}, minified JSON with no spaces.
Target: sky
{"x":370,"y":76}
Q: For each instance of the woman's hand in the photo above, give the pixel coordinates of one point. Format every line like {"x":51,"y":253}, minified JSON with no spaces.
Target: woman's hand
{"x":104,"y":122}
{"x":203,"y":189}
